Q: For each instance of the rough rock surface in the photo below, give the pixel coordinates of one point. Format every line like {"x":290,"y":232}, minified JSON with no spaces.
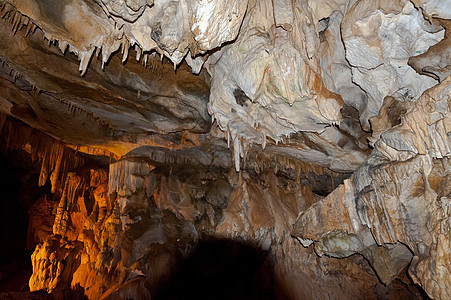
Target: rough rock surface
{"x":132,"y":244}
{"x":397,"y":202}
{"x":164,"y":130}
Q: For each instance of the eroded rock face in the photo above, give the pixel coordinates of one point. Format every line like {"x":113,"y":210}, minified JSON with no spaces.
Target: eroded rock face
{"x":145,"y":237}
{"x":399,"y":196}
{"x":380,"y":37}
{"x":337,"y":114}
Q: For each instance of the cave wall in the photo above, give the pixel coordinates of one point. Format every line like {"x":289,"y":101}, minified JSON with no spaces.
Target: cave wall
{"x":179,"y":231}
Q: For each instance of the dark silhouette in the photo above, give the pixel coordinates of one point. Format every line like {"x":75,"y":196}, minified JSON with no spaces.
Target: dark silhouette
{"x":222,"y":269}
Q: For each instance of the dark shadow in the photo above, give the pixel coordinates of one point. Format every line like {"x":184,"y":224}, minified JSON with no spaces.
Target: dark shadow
{"x":39,"y":295}
{"x":76,"y":293}
{"x":222,"y":269}
{"x":15,"y":264}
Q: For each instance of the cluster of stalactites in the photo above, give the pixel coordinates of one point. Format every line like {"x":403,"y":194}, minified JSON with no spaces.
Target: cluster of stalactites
{"x":264,"y":162}
{"x":74,"y":187}
{"x":103,"y":48}
{"x":106,"y":48}
{"x":15,"y":18}
{"x":56,"y":159}
{"x":127,"y":175}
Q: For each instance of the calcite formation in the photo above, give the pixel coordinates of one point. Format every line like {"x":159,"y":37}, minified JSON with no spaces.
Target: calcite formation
{"x":270,"y":137}
{"x":399,"y":198}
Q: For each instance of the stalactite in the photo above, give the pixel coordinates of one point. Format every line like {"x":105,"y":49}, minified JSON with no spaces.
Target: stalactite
{"x":74,"y":186}
{"x":74,"y":108}
{"x":85,"y":57}
{"x":31,"y":27}
{"x":125,"y":50}
{"x":126,"y":174}
{"x":138,"y":51}
{"x":44,"y":173}
{"x":263,"y":162}
{"x":56,"y":159}
{"x":15,"y":19}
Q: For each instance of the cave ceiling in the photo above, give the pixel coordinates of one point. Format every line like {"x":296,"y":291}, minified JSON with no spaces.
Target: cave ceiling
{"x":358,"y":89}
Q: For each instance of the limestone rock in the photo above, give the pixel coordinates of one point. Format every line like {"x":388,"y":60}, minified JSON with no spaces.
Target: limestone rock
{"x":379,"y":57}
{"x":434,"y":8}
{"x":397,"y":196}
{"x":133,"y":245}
{"x":266,"y":85}
{"x":437,"y":60}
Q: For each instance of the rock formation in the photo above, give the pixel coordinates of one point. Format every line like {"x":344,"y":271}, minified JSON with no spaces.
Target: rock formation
{"x":260,"y":149}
